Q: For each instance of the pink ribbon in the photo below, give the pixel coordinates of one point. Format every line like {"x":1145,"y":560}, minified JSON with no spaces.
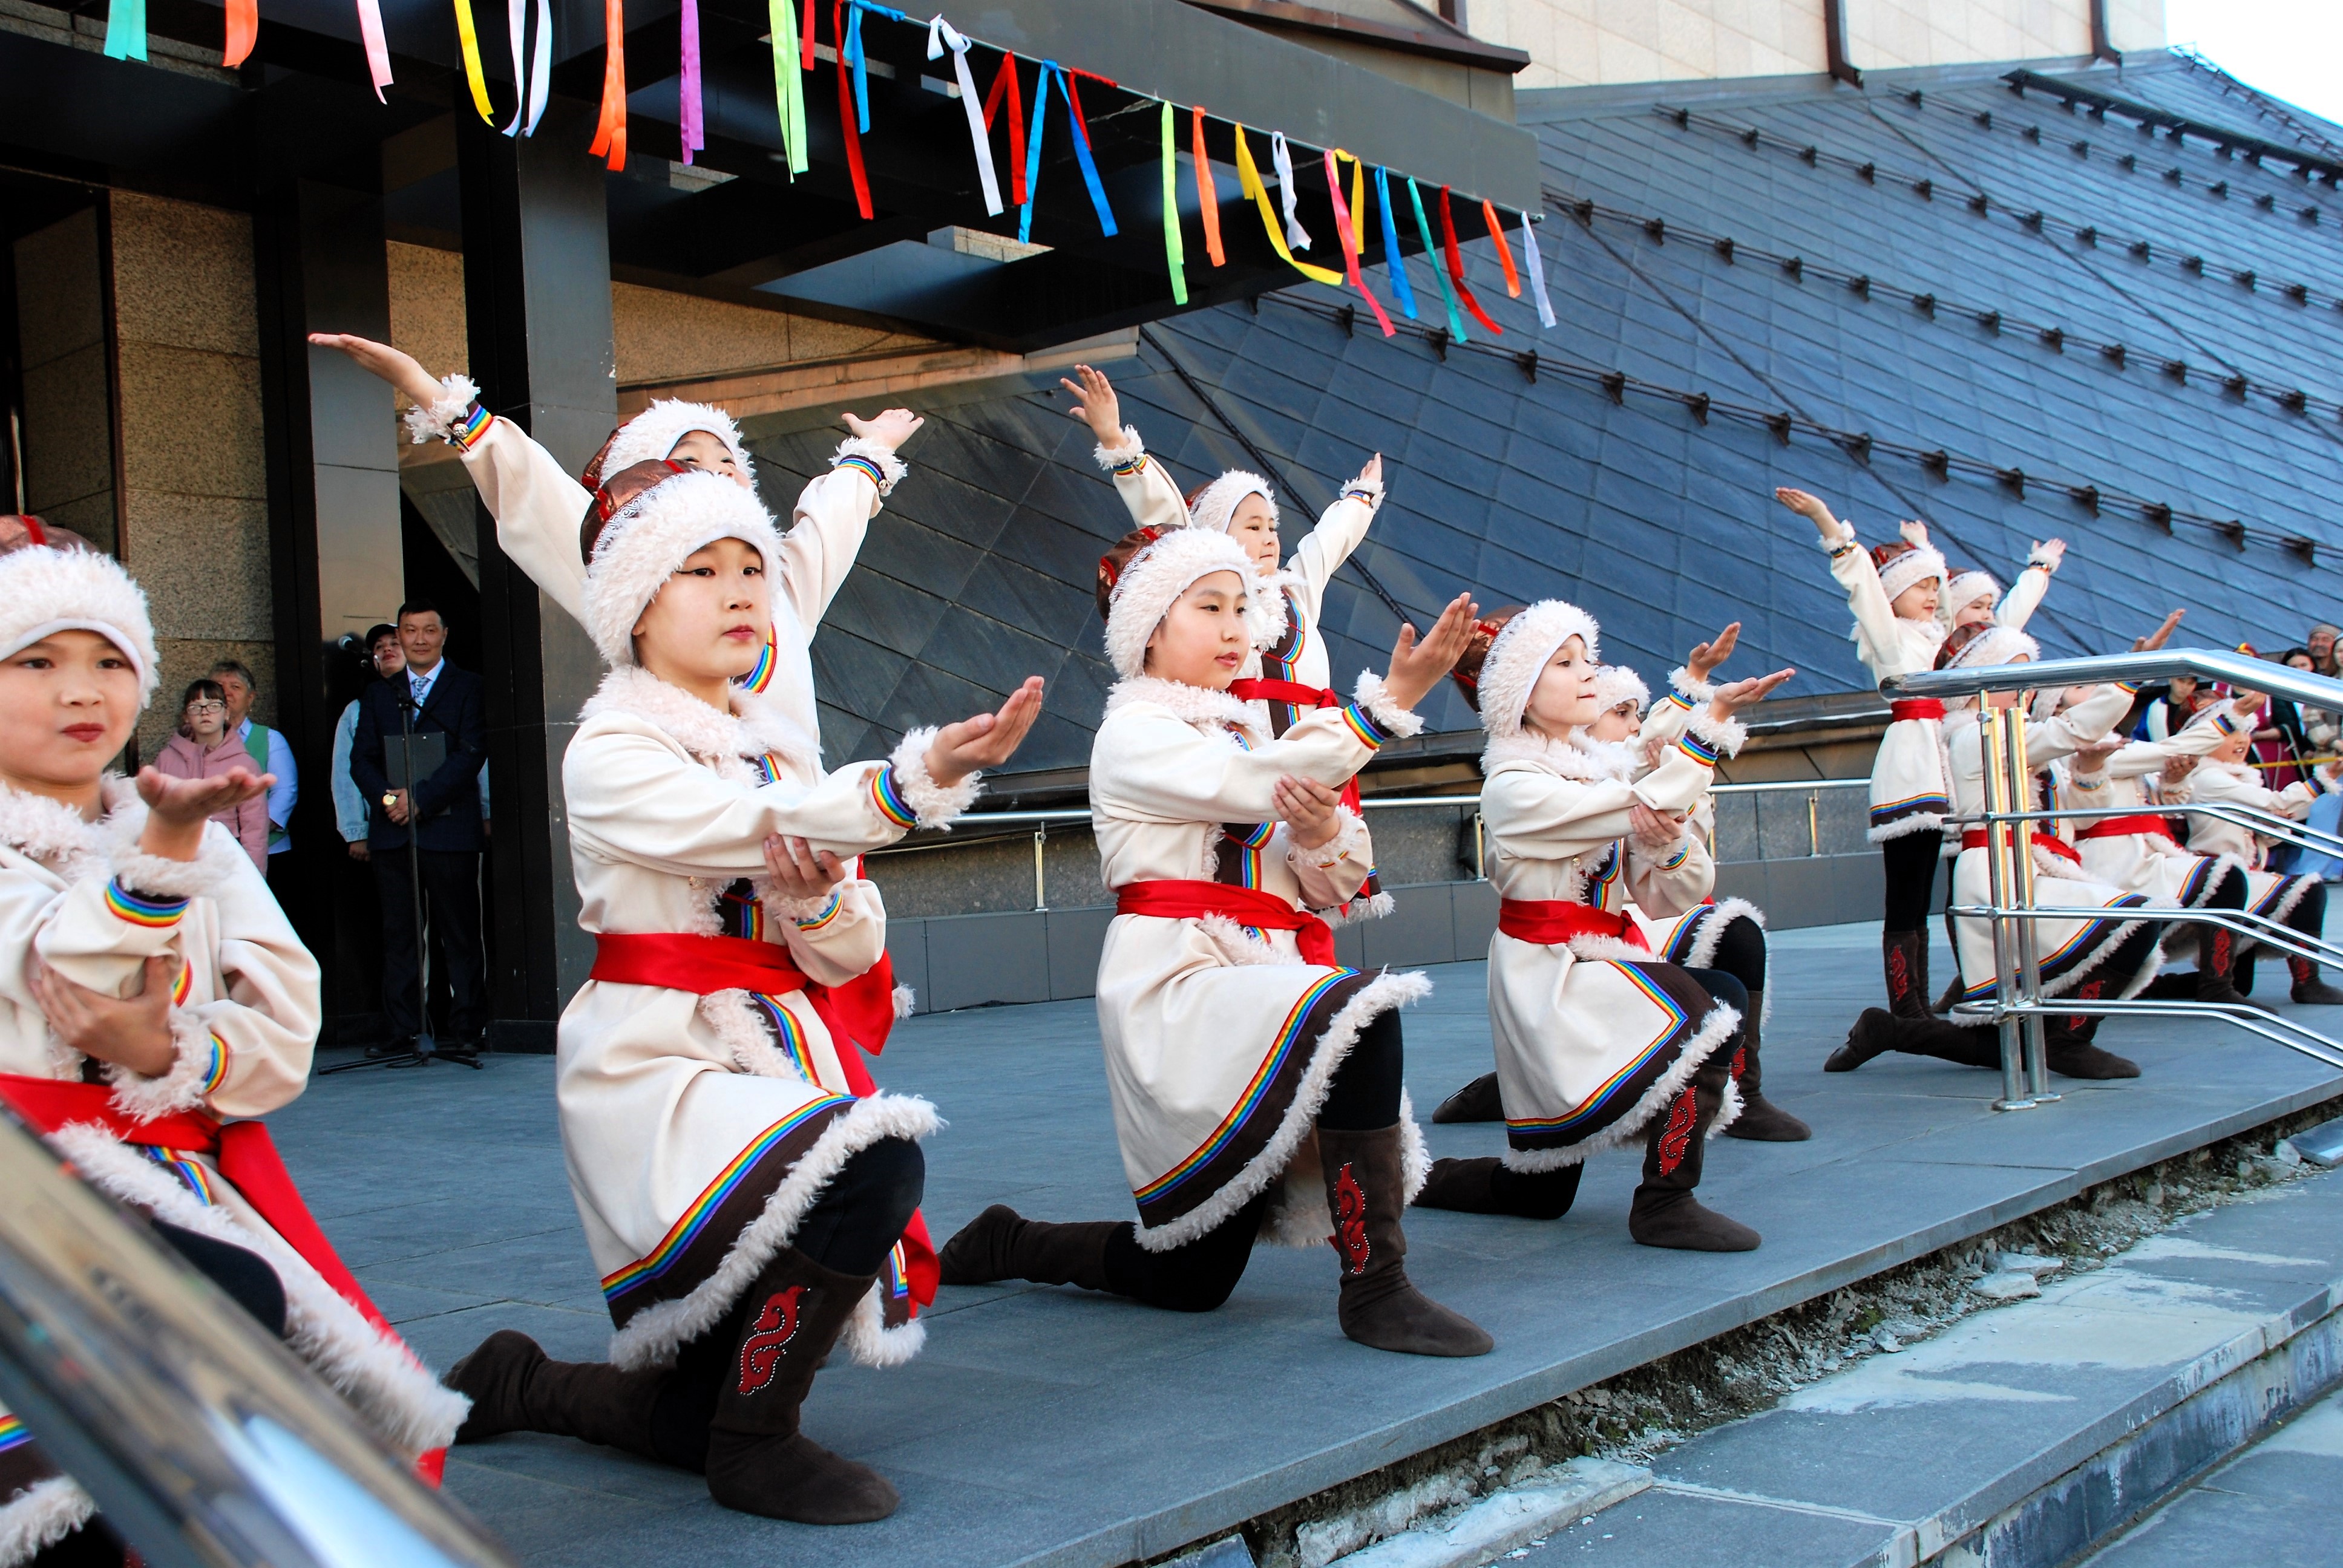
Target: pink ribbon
{"x":694,"y":132}
{"x":377,"y":49}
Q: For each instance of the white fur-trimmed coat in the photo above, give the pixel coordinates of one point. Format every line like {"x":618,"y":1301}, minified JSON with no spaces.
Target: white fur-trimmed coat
{"x":2148,"y":863}
{"x":1908,"y":787}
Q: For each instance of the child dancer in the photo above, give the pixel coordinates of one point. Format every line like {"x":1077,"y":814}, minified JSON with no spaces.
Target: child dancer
{"x":2106,"y":951}
{"x":109,"y":886}
{"x":2225,"y":779}
{"x":1895,"y":589}
{"x":1598,"y":1040}
{"x":1973,"y":596}
{"x":1243,"y":1061}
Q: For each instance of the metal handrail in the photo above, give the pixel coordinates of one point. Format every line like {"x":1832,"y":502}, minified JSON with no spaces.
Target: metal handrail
{"x":2241,"y":670}
{"x":2268,"y":824}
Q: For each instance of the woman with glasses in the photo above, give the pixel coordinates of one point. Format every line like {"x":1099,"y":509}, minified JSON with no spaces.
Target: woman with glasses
{"x":202,"y":748}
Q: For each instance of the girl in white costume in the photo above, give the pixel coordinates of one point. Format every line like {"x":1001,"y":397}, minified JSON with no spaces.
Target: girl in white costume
{"x":2225,"y":777}
{"x":154,"y":1000}
{"x":1597,"y":1039}
{"x":2110,"y":949}
{"x":1256,"y":1082}
{"x":745,"y":1189}
{"x":1971,"y":597}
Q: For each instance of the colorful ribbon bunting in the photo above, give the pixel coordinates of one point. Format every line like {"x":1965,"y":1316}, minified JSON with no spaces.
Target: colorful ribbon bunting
{"x":1082,"y":135}
{"x":848,"y":122}
{"x":1347,"y":231}
{"x":943,"y":35}
{"x":1249,"y":181}
{"x":469,"y":35}
{"x":1208,"y":196}
{"x":535,"y":82}
{"x":1456,"y":266}
{"x":1504,"y":252}
{"x":243,"y":32}
{"x":1175,"y":254}
{"x":1432,"y":254}
{"x":1394,"y":262}
{"x":850,"y":52}
{"x":789,"y":85}
{"x":1537,"y":272}
{"x":378,"y":48}
{"x":125,"y":30}
{"x":689,"y":123}
{"x":1282,"y":157}
{"x":1358,"y":202}
{"x":1005,"y":84}
{"x":610,"y":125}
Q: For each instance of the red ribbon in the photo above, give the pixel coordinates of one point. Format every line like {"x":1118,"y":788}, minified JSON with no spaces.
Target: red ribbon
{"x":1915,"y":707}
{"x":243,"y":32}
{"x":610,"y":126}
{"x":1346,"y":232}
{"x":1183,"y":900}
{"x":1295,"y":695}
{"x":249,"y":1159}
{"x":1504,"y":251}
{"x":1973,"y":839}
{"x":2124,"y":827}
{"x":1207,"y":198}
{"x":805,"y":38}
{"x":1549,"y":922}
{"x":1456,"y":266}
{"x":1004,"y":82}
{"x":846,"y":118}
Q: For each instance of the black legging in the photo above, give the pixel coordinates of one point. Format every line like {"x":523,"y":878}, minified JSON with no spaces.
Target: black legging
{"x":1911,"y":866}
{"x":1197,"y":1276}
{"x":1740,"y":953}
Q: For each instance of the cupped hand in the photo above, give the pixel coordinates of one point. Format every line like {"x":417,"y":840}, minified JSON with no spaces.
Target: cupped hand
{"x":134,"y":1032}
{"x":1810,"y":505}
{"x":1655,"y":832}
{"x":2156,"y":638}
{"x":891,"y":429}
{"x":1707,"y":656}
{"x":2092,"y":756}
{"x":1741,"y":694}
{"x":1914,"y":532}
{"x":986,"y":740}
{"x":1418,"y":663}
{"x":395,"y":365}
{"x":176,"y":809}
{"x":1096,"y":405}
{"x":798,"y":870}
{"x":1310,"y":810}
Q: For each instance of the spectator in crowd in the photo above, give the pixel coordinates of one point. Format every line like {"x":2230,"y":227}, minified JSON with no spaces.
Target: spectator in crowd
{"x":268,"y":750}
{"x":442,"y":813}
{"x":382,"y":660}
{"x":2276,"y":730}
{"x":202,"y":748}
{"x":2320,"y":644}
{"x":2168,"y":715}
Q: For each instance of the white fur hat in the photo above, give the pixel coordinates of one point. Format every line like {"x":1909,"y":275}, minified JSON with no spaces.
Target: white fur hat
{"x":44,"y":590}
{"x":1899,"y":567}
{"x":1964,"y":589}
{"x":646,"y":542}
{"x":1141,"y":592}
{"x":1992,"y":645}
{"x":654,"y":432}
{"x":1616,"y":684}
{"x":1520,"y":652}
{"x":1217,"y":502}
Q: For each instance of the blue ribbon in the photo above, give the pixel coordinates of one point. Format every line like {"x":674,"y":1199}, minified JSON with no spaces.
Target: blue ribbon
{"x":1033,"y":154}
{"x":853,"y":57}
{"x":1391,"y":259}
{"x":1081,"y":155}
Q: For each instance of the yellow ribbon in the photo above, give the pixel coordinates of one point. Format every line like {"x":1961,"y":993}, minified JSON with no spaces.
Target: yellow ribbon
{"x":471,"y":41}
{"x":1249,"y":180}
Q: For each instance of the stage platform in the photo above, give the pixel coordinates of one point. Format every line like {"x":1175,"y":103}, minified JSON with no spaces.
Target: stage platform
{"x":1052,"y":1426}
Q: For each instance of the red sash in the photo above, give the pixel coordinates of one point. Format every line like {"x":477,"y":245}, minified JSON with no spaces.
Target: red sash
{"x":1973,"y":839}
{"x":2124,"y":827}
{"x":1296,"y":695}
{"x":247,"y":1157}
{"x":1554,"y":921}
{"x":1177,"y":901}
{"x":1915,"y":707}
{"x":860,"y":1012}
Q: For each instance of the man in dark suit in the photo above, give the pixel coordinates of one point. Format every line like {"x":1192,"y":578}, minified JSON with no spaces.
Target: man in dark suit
{"x":443,"y":813}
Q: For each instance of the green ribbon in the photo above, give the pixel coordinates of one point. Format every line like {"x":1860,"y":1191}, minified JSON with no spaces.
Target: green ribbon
{"x":1175,"y":257}
{"x":788,"y":86}
{"x":1447,"y":294}
{"x":125,"y":30}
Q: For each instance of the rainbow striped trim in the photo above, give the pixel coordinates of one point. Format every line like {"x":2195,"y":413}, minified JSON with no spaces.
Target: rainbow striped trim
{"x":686,"y":1229}
{"x":1355,"y":495}
{"x":762,"y":676}
{"x":828,"y":913}
{"x":742,"y":913}
{"x":887,"y":797}
{"x":468,"y":431}
{"x":1362,"y":725}
{"x":1600,"y":886}
{"x":1889,"y":810}
{"x":2128,"y":687}
{"x":2225,"y":724}
{"x":13,"y":1433}
{"x":789,"y":1034}
{"x":1680,"y":700}
{"x":143,"y":908}
{"x":1699,"y":750}
{"x":215,"y":1074}
{"x":865,"y":467}
{"x":183,"y":986}
{"x":1288,"y":1035}
{"x":189,"y":1169}
{"x":1136,"y":464}
{"x":1672,"y":861}
{"x":2068,"y":951}
{"x":1677,"y":1019}
{"x":898,"y":1272}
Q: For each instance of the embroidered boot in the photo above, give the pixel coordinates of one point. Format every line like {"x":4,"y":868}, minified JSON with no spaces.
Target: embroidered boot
{"x":1367,"y":1188}
{"x":1485,"y":1186}
{"x":1760,"y":1120}
{"x":514,"y":1386}
{"x":1904,"y":957}
{"x":1665,"y":1212}
{"x":758,"y":1460}
{"x":1002,"y":1244}
{"x":2217,"y":953}
{"x":2309,"y":988}
{"x":1476,"y":1102}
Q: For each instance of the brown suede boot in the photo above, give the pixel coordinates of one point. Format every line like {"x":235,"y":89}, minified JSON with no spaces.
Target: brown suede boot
{"x":1878,"y":1031}
{"x":514,"y":1386}
{"x":1904,"y":957}
{"x":1366,"y":1188}
{"x":1476,"y":1102}
{"x":1002,"y":1244}
{"x":1761,"y":1120}
{"x":758,"y":1460}
{"x":2217,"y":953}
{"x":2067,"y":1048}
{"x":2309,"y":988}
{"x":1485,"y":1186}
{"x":1665,"y":1212}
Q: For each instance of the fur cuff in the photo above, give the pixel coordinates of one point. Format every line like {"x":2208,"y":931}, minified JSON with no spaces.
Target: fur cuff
{"x":1693,"y":691}
{"x":935,"y":805}
{"x":40,"y":1516}
{"x":891,"y":467}
{"x":446,"y":414}
{"x":1725,"y":739}
{"x":198,"y":1063}
{"x":164,"y":879}
{"x":1395,"y":720}
{"x":1114,"y":457}
{"x":1350,"y":842}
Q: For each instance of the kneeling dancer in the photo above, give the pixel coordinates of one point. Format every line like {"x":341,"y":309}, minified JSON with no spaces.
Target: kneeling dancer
{"x":1597,"y":1041}
{"x":110,"y":885}
{"x":2299,"y":902}
{"x":1246,"y":1066}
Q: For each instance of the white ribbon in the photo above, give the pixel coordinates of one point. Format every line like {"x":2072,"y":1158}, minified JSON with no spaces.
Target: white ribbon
{"x":942,"y":35}
{"x":532,"y":86}
{"x":1537,"y":272}
{"x":1295,"y":234}
{"x":516,"y":32}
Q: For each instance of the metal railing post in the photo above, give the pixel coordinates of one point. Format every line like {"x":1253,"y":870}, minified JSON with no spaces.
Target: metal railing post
{"x":1999,"y":874}
{"x":1814,"y":824}
{"x":1480,"y":850}
{"x":1040,"y":885}
{"x":2030,"y":1027}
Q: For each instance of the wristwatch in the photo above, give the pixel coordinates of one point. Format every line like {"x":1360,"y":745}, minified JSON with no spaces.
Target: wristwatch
{"x":390,"y":800}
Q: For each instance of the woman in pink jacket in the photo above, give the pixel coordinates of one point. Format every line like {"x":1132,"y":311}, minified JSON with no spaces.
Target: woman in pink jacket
{"x":202,"y":748}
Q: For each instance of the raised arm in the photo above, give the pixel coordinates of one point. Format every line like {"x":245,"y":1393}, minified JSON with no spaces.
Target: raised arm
{"x":1850,"y":563}
{"x":2025,"y":596}
{"x":834,"y":511}
{"x":2087,"y":720}
{"x":1152,"y":766}
{"x":1340,"y":528}
{"x":1141,"y":481}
